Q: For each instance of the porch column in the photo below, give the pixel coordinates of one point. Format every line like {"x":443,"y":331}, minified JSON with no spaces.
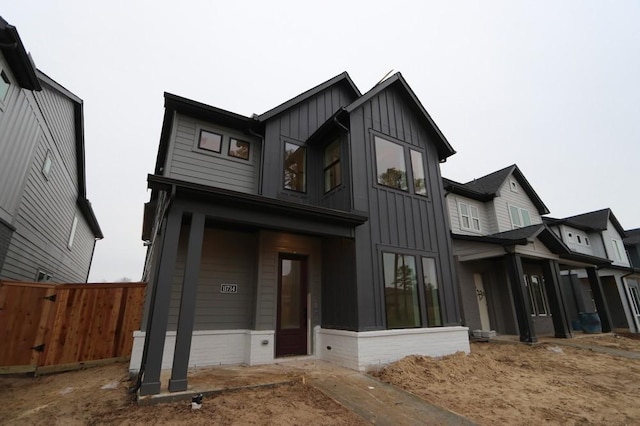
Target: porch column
{"x":561,"y":325}
{"x":521,"y":299}
{"x":600,"y":299}
{"x":178,"y":381}
{"x":159,"y":312}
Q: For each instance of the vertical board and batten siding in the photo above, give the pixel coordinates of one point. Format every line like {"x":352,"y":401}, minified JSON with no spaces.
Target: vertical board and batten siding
{"x":506,"y":197}
{"x":228,"y":257}
{"x":339,"y":292}
{"x":297,"y":124}
{"x":398,"y":220}
{"x":339,"y":198}
{"x":43,"y":225}
{"x":19,"y":135}
{"x":185,"y":162}
{"x":271,"y":245}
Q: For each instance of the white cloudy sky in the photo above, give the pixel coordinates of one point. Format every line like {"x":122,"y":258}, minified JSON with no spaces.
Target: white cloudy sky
{"x":552,"y":86}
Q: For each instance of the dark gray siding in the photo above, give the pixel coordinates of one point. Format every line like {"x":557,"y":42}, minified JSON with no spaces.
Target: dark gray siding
{"x":398,"y":221}
{"x":227,"y":258}
{"x":339,"y":198}
{"x":186,"y":162}
{"x":339,"y":296}
{"x":297,"y":124}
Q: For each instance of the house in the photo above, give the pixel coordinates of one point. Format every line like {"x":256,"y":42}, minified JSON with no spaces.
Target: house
{"x":599,"y":233}
{"x":512,"y":268}
{"x":632,"y":281}
{"x":632,"y":246}
{"x":317,"y":229}
{"x":48,"y":229}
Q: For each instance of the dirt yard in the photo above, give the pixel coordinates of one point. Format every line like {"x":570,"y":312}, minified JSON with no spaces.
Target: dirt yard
{"x":499,"y":383}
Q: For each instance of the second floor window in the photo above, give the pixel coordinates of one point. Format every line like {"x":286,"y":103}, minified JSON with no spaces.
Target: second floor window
{"x":210,"y":141}
{"x":469,"y":217}
{"x":332,"y":171}
{"x":417,"y":167}
{"x":618,"y":251}
{"x":519,"y":217}
{"x":295,"y":158}
{"x":390,"y":164}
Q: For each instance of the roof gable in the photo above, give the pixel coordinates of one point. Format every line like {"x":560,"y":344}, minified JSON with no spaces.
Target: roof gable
{"x":596,"y":220}
{"x":17,"y":57}
{"x":444,"y":148}
{"x":339,"y":79}
{"x":633,"y":236}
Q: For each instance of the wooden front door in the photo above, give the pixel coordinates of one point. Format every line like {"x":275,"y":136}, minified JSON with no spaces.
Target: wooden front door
{"x":291,"y":330}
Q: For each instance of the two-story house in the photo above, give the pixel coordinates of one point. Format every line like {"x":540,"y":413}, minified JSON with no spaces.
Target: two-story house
{"x":600,"y":234}
{"x":632,"y":281}
{"x":510,"y":264}
{"x":48,"y":229}
{"x":315,"y":229}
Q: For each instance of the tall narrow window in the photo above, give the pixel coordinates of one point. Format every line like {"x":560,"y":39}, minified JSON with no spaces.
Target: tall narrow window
{"x":539,"y":306}
{"x":417,"y":167}
{"x":4,"y":85}
{"x":401,"y":291}
{"x":431,"y":292}
{"x":295,"y":178}
{"x":617,"y":250}
{"x":46,"y":166}
{"x":72,"y":234}
{"x":469,"y":217}
{"x":390,"y":164}
{"x":332,"y":171}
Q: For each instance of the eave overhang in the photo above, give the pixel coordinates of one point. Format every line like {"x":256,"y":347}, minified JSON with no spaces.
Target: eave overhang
{"x":458,"y":188}
{"x":179,"y":188}
{"x":17,"y":57}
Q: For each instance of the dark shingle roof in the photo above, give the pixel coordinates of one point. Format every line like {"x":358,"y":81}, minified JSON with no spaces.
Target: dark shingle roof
{"x":633,"y":236}
{"x":530,"y":231}
{"x":597,"y":220}
{"x":491,"y":183}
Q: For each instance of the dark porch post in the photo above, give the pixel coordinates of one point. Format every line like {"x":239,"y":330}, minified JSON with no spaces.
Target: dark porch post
{"x":178,"y":381}
{"x":159,"y":312}
{"x":561,"y":326}
{"x":600,"y":299}
{"x":521,"y":298}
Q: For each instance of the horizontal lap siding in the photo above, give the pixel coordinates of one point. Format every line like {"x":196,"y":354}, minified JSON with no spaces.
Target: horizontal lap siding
{"x":227,"y":258}
{"x":519,"y":199}
{"x":186,"y":163}
{"x":486,"y":222}
{"x":398,"y":220}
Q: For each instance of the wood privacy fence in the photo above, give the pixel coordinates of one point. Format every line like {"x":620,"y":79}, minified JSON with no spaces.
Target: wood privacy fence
{"x":54,"y":327}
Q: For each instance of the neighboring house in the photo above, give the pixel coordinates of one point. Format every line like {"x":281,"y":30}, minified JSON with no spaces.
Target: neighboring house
{"x":47,"y":227}
{"x":632,"y":281}
{"x":632,"y":246}
{"x":315,"y":229}
{"x":599,"y":233}
{"x":510,"y":264}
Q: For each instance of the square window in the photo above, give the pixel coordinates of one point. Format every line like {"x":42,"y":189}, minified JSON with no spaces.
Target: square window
{"x":417,"y":166}
{"x":332,"y":168}
{"x":210,"y":141}
{"x":390,"y":164}
{"x":239,"y":149}
{"x":295,"y":158}
{"x":4,"y":85}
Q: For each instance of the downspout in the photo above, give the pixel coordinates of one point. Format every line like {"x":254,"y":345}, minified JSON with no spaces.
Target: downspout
{"x":93,"y":250}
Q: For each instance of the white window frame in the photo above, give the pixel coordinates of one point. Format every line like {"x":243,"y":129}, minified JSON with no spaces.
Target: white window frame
{"x":535,"y":309}
{"x":520,"y":216}
{"x":513,"y":186}
{"x":618,"y":249}
{"x":72,"y":234}
{"x":471,"y":218}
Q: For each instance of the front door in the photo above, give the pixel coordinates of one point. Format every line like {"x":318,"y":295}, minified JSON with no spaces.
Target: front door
{"x":482,"y":302}
{"x":291,"y":330}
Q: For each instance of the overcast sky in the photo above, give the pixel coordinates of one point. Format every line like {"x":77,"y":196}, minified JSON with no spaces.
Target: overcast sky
{"x":553,"y":86}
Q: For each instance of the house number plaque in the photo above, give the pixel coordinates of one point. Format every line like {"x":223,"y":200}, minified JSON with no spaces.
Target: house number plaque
{"x":228,"y":288}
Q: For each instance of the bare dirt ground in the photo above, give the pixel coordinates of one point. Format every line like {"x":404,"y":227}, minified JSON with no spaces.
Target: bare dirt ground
{"x":505,"y":383}
{"x":498,"y":383}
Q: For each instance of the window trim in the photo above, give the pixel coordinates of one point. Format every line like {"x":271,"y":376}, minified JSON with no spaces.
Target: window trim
{"x":618,"y":249}
{"x":72,"y":233}
{"x":229,"y":154}
{"x":413,"y":174}
{"x":331,"y":165}
{"x":535,"y":310}
{"x":469,"y":216}
{"x":47,"y":165}
{"x":520,"y":216}
{"x":513,"y":186}
{"x":415,"y":294}
{"x":406,"y":189}
{"x":305,"y":171}
{"x":46,"y":275}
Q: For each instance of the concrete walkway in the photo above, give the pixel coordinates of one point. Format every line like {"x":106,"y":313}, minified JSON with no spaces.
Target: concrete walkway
{"x":378,"y":402}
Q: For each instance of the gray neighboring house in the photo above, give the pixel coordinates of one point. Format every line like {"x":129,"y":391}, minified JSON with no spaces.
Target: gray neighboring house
{"x":512,"y":268}
{"x":632,"y":245}
{"x":48,"y":229}
{"x":317,"y":229}
{"x":599,"y":233}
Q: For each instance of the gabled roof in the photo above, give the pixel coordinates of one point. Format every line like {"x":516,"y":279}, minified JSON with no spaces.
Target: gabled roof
{"x":78,"y":115}
{"x":444,"y":148}
{"x":486,"y":187}
{"x":339,"y":79}
{"x":633,"y":237}
{"x":593,"y":221}
{"x":17,"y":57}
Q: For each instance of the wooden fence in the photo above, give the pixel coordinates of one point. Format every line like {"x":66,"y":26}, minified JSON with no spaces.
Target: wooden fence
{"x":55,"y":327}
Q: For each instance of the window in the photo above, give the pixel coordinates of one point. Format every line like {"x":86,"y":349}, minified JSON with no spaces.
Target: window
{"x":431,"y":292}
{"x":210,"y":141}
{"x":401,"y":291}
{"x":42,"y":276}
{"x":617,"y":250}
{"x":332,"y":170}
{"x":4,"y":85}
{"x":46,"y":166}
{"x":469,"y":217}
{"x":579,"y":238}
{"x":539,"y":306}
{"x":390,"y":164}
{"x":417,"y":167}
{"x":513,"y":185}
{"x":295,"y":178}
{"x":586,"y":241}
{"x":569,"y":236}
{"x":239,"y":149}
{"x":72,"y":234}
{"x":519,"y":217}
